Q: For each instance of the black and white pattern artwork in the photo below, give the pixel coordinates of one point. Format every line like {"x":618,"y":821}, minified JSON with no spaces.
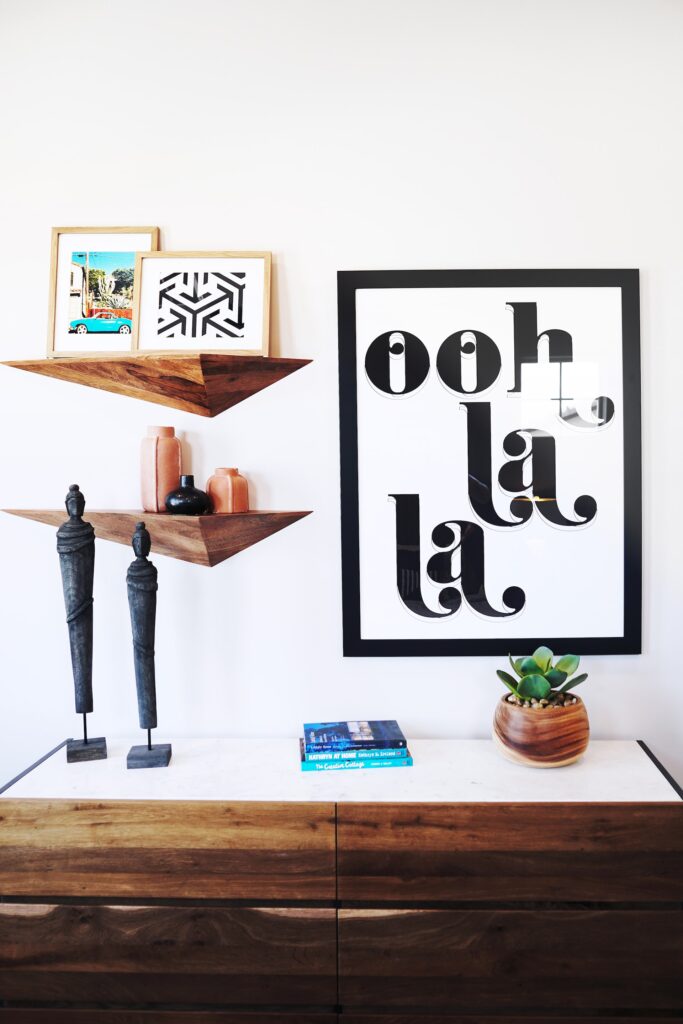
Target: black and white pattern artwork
{"x":490,"y":461}
{"x":201,"y":304}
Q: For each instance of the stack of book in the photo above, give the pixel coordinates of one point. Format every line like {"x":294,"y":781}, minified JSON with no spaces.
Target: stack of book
{"x":337,"y":746}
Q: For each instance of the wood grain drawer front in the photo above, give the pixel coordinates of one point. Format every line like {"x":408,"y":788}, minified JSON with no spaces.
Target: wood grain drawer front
{"x":511,"y":961}
{"x":50,"y":1016}
{"x":502,"y":852}
{"x":459,"y":1018}
{"x":187,"y":955}
{"x":167,"y":849}
{"x":16,"y":1016}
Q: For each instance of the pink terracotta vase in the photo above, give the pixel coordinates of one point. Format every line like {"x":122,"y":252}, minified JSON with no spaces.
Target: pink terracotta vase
{"x":228,"y":491}
{"x":160,"y":467}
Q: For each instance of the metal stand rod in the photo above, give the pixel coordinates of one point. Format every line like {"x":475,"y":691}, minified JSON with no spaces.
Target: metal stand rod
{"x":85,"y":728}
{"x":149,"y":739}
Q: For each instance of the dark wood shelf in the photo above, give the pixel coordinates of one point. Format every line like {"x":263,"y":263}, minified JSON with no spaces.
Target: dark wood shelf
{"x":204,"y":540}
{"x":205,"y":383}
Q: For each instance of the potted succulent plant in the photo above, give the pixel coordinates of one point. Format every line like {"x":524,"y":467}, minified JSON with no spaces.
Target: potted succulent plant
{"x":541,"y":722}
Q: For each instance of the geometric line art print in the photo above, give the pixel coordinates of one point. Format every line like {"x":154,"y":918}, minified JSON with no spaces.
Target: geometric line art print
{"x":203,"y":304}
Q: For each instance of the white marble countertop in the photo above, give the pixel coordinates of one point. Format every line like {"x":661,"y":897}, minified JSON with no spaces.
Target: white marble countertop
{"x":447,"y":771}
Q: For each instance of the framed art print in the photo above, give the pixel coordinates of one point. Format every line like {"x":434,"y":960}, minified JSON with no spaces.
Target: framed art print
{"x":202,"y":301}
{"x":91,"y":288}
{"x":490,"y":461}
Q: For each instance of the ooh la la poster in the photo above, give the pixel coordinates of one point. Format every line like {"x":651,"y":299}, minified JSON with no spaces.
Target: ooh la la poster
{"x":490,"y":461}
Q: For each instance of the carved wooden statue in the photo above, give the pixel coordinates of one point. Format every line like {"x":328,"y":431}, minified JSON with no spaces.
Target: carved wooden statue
{"x":142,"y":600}
{"x":76,"y":547}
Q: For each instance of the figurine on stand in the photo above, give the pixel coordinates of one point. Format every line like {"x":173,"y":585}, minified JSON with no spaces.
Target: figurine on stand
{"x":76,"y":548}
{"x":142,"y":600}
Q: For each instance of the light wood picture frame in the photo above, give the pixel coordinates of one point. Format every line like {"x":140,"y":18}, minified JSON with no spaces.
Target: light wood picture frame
{"x":89,"y":291}
{"x":202,"y":302}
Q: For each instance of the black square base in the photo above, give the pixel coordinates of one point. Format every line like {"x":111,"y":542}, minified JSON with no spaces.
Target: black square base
{"x":93,"y":750}
{"x":142,"y":757}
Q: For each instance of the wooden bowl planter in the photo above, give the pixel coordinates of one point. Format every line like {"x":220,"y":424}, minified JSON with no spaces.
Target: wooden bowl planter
{"x":541,"y":737}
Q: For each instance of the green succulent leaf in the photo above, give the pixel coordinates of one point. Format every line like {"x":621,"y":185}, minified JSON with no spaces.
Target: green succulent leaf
{"x":574,"y":682}
{"x":543,"y":657}
{"x":516,"y":664}
{"x":568,"y":664}
{"x":555,"y":677}
{"x":506,"y":678}
{"x":534,"y":686}
{"x":528,"y":667}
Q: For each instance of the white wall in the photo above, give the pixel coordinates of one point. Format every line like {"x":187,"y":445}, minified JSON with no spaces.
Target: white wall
{"x":351,"y":135}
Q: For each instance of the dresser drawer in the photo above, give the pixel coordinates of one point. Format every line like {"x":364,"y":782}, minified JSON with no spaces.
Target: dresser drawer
{"x":50,"y":1016}
{"x":459,"y":1018}
{"x":503,"y":852}
{"x":188,"y":955}
{"x":511,"y":960}
{"x":167,"y":849}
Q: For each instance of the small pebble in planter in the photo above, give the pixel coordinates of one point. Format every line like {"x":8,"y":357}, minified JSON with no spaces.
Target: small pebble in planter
{"x":542,"y":740}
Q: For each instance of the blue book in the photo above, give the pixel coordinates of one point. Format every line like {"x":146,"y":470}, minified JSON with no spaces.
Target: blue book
{"x":320,"y":736}
{"x":350,"y":764}
{"x":352,"y":755}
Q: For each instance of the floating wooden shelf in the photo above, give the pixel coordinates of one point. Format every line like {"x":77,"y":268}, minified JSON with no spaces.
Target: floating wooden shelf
{"x":205,"y":383}
{"x":204,"y":540}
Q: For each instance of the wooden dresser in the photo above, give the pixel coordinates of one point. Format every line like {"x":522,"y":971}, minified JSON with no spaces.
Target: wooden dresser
{"x":233,"y":888}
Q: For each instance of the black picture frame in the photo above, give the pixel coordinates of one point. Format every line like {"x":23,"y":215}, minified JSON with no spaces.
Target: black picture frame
{"x":349,"y":282}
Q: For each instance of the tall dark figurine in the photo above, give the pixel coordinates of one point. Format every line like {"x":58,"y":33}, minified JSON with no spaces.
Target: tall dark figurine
{"x":76,"y":547}
{"x":142,"y":599}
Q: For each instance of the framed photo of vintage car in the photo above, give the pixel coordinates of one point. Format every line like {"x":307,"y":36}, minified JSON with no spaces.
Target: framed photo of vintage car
{"x":92,"y":276}
{"x":202,"y":302}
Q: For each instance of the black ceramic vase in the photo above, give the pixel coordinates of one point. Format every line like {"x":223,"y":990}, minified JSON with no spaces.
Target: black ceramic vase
{"x":187,"y":500}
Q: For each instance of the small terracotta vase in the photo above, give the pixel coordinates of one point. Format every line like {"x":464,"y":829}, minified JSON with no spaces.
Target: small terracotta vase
{"x":228,"y":491}
{"x":187,"y":500}
{"x":160,"y":467}
{"x":541,"y":737}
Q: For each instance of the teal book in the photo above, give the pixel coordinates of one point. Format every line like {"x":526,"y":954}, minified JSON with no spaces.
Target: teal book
{"x":349,"y":764}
